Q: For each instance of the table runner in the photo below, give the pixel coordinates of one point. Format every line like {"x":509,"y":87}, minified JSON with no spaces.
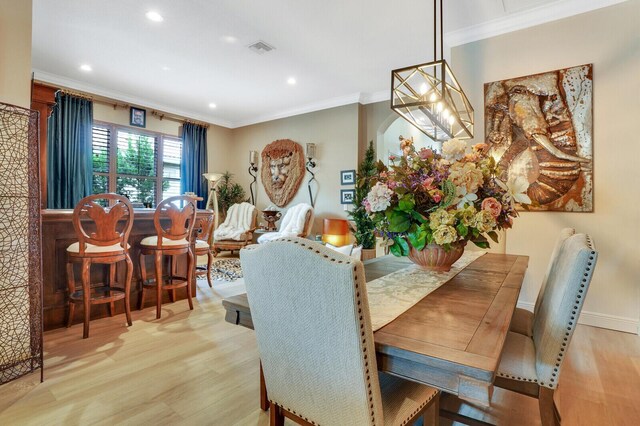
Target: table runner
{"x":390,"y":296}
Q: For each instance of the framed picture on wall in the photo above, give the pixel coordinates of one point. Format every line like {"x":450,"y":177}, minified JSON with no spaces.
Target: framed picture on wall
{"x":348,"y":177}
{"x":138,"y":117}
{"x":347,"y":196}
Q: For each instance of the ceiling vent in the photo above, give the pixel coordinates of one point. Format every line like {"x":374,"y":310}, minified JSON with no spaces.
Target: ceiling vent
{"x":261,"y":47}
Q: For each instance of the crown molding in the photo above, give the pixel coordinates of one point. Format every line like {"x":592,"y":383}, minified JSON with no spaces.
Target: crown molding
{"x":547,"y":12}
{"x":72,"y":84}
{"x":371,"y":98}
{"x":353,"y":98}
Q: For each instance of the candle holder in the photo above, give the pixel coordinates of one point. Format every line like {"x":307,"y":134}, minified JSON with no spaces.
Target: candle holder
{"x":310,"y":165}
{"x":253,"y":172}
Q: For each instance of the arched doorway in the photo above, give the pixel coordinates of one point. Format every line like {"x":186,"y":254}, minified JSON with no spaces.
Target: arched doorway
{"x":388,"y":133}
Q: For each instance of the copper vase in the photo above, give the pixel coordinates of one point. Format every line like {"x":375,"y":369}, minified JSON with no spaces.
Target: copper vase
{"x":434,"y":257}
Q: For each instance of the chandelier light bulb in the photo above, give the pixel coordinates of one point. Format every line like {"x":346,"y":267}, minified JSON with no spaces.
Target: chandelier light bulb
{"x":445,"y":114}
{"x":423,"y":89}
{"x":452,"y":119}
{"x":439,"y":106}
{"x":433,"y":97}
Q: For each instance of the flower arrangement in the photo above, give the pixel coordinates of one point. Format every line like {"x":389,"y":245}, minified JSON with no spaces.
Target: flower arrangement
{"x":425,"y":198}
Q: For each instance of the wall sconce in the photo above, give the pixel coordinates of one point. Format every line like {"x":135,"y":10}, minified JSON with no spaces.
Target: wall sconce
{"x":311,"y":164}
{"x":335,"y":232}
{"x":212,"y":201}
{"x":253,"y":171}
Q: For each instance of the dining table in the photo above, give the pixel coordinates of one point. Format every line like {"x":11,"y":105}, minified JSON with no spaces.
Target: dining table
{"x":452,"y":339}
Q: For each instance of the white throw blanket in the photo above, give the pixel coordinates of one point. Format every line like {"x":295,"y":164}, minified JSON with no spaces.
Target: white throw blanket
{"x":292,"y":224}
{"x":237,"y":223}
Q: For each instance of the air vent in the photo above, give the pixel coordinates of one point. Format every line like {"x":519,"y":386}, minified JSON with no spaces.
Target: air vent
{"x":261,"y":47}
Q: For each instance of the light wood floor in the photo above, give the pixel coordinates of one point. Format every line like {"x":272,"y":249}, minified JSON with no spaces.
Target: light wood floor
{"x":193,"y":368}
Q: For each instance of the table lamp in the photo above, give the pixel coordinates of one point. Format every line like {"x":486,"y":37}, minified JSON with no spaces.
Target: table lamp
{"x":212,"y":201}
{"x":335,"y":232}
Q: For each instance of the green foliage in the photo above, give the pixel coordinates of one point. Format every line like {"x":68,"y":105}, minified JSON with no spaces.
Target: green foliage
{"x":229,"y":193}
{"x":365,"y":227}
{"x":138,"y":159}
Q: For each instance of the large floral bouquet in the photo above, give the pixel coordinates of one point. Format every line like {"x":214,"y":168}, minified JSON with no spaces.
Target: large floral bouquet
{"x":444,"y":199}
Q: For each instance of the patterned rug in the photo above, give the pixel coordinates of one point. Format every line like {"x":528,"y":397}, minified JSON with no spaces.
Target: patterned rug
{"x":226,"y":270}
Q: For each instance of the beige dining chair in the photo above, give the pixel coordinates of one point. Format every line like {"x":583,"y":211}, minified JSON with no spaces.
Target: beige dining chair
{"x":531,"y":365}
{"x":311,"y":317}
{"x":522,"y":320}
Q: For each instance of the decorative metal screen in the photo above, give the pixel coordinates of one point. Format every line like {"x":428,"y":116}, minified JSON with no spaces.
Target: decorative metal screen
{"x":20,"y":244}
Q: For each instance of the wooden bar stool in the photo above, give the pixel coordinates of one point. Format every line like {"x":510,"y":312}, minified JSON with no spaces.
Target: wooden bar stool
{"x":103,"y":244}
{"x":172,"y":241}
{"x":203,"y":230}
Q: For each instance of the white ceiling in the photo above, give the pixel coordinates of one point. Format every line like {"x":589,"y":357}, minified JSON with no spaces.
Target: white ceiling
{"x":339,"y":51}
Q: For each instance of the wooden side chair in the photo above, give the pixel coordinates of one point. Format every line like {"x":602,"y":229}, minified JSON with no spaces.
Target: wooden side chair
{"x":532,"y":365}
{"x":103,"y":235}
{"x":319,"y":360}
{"x":174,"y":240}
{"x":522,"y":320}
{"x":203,"y":231}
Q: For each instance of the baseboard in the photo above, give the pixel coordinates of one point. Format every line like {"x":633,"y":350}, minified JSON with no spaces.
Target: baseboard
{"x":595,"y":319}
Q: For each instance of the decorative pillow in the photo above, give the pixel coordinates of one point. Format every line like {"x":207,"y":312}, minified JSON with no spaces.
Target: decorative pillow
{"x":342,"y":249}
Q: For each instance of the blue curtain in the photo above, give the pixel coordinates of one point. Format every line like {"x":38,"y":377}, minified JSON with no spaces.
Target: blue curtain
{"x":194,"y":161}
{"x":69,"y":162}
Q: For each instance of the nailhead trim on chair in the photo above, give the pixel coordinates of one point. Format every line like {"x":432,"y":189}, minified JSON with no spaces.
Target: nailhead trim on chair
{"x":361,"y":321}
{"x":556,"y":370}
{"x":578,"y":302}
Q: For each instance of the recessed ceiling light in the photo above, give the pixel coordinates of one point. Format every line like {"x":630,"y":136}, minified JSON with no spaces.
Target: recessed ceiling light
{"x":229,"y":39}
{"x":291,"y":81}
{"x":86,"y":67}
{"x":212,"y":105}
{"x":166,"y":68}
{"x":154,"y":16}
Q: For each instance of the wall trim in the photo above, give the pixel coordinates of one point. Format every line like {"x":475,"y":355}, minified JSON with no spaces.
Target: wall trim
{"x":596,"y":319}
{"x":115,"y":95}
{"x":542,"y":14}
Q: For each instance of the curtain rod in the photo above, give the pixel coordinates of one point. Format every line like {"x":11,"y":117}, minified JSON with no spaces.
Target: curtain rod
{"x":117,"y":104}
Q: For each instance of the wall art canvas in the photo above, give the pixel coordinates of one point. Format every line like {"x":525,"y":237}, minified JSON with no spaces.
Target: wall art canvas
{"x":282,"y":170}
{"x":540,"y":128}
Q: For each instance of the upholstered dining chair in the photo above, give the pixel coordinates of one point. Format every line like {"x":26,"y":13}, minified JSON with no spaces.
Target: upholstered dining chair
{"x":532,"y":365}
{"x":522,"y":320}
{"x":103,"y":234}
{"x":311,"y":317}
{"x":173,"y":240}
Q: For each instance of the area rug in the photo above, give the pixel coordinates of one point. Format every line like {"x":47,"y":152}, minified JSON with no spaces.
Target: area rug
{"x":226,"y":270}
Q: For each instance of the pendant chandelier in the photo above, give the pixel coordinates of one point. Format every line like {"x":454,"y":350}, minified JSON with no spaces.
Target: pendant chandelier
{"x":429,"y":97}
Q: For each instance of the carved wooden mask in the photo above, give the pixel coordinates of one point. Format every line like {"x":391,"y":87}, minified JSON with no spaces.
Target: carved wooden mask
{"x":282,"y":170}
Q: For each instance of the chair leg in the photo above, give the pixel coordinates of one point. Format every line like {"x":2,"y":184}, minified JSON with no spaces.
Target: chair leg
{"x":71,"y":285}
{"x":548,"y":412}
{"x":127,"y":289}
{"x":209,"y":265}
{"x":158,"y":267}
{"x":431,"y":417}
{"x":275,"y":416}
{"x":264,"y":399}
{"x":190,"y":268}
{"x":112,"y":280}
{"x":86,"y":295}
{"x":173,"y":267}
{"x":143,"y":277}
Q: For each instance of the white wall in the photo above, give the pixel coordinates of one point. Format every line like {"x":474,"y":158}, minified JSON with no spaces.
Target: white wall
{"x":15,"y":52}
{"x":335,"y":133}
{"x":609,"y":38}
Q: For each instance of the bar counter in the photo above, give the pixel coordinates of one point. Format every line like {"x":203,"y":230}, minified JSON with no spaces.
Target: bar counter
{"x":58,"y":234}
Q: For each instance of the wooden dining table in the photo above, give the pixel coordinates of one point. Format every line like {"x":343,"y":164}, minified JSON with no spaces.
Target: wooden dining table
{"x":452,"y":339}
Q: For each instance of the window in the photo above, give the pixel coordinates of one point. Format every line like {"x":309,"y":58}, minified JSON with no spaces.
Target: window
{"x":144,"y":166}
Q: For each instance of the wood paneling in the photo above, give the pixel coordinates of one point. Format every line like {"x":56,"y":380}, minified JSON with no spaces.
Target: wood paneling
{"x":43,"y":100}
{"x":58,"y":234}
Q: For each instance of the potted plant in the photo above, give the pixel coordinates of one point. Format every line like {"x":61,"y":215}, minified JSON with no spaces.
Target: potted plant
{"x":364,"y":230}
{"x":229,"y":193}
{"x":429,"y":205}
